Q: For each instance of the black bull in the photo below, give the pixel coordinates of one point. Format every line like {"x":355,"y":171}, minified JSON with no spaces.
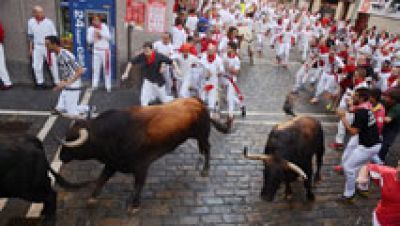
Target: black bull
{"x":129,"y":140}
{"x":24,"y":174}
{"x":288,"y":154}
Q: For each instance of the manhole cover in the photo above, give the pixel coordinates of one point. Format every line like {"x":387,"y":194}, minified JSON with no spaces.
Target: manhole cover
{"x":14,"y":127}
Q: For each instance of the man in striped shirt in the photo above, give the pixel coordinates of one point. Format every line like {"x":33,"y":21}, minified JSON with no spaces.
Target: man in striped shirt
{"x":70,"y":80}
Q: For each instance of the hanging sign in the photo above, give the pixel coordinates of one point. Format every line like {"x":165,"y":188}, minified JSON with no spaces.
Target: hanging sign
{"x":156,"y":16}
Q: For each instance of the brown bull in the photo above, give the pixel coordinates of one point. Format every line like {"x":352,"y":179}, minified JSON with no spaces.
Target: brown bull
{"x":129,"y":140}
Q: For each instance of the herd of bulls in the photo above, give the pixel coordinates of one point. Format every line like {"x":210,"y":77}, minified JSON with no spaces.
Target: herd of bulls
{"x":129,"y":140}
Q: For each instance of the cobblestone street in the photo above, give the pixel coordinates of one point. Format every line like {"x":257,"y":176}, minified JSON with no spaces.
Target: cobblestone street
{"x":176,"y":194}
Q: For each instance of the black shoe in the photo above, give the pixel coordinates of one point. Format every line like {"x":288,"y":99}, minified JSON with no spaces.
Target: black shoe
{"x":40,"y":86}
{"x":243,"y":110}
{"x":56,"y":112}
{"x":345,"y":200}
{"x":4,"y":87}
{"x":362,"y":193}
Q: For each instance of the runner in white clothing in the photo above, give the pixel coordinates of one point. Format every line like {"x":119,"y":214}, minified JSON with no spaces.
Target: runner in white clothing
{"x":39,"y":27}
{"x":98,"y":34}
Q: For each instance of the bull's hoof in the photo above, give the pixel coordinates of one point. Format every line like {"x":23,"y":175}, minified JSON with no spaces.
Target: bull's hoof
{"x":289,"y":196}
{"x":317,"y":179}
{"x":204,"y":173}
{"x":311,"y":197}
{"x":133,"y":210}
{"x":92,"y":202}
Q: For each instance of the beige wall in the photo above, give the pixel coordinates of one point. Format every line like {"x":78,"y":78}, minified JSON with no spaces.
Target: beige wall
{"x":14,"y":15}
{"x":389,"y":24}
{"x":137,"y":37}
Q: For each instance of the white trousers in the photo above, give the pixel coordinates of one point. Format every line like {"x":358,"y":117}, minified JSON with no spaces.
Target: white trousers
{"x":352,"y":163}
{"x":169,"y":82}
{"x":100,"y":61}
{"x":304,"y":49}
{"x":232,"y":96}
{"x":326,"y":83}
{"x":375,"y":221}
{"x":68,"y":103}
{"x":283,"y":51}
{"x":151,"y":91}
{"x":260,"y":41}
{"x":38,"y":56}
{"x":211,"y":97}
{"x":4,"y":76}
{"x":187,"y":83}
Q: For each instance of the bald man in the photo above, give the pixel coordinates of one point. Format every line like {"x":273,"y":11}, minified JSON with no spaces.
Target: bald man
{"x":40,"y":27}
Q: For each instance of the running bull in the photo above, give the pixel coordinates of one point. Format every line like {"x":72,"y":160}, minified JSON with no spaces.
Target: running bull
{"x":129,"y":140}
{"x":24,"y":174}
{"x":288,"y":155}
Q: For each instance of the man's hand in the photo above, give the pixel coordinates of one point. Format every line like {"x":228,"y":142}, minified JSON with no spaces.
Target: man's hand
{"x":341,"y":113}
{"x":60,"y":85}
{"x":97,"y":34}
{"x":124,"y":77}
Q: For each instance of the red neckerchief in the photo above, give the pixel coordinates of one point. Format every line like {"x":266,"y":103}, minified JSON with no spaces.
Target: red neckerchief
{"x":211,"y":58}
{"x":394,"y":40}
{"x":231,"y":55}
{"x":97,"y":26}
{"x":39,"y":19}
{"x":349,"y":68}
{"x":331,"y":59}
{"x":366,"y":105}
{"x":358,"y":81}
{"x":150,"y":59}
{"x":391,"y":80}
{"x":386,"y":70}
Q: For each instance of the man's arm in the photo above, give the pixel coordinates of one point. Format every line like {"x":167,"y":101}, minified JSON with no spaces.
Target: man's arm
{"x":342,"y":116}
{"x":30,"y":38}
{"x":90,"y":35}
{"x":105,"y":32}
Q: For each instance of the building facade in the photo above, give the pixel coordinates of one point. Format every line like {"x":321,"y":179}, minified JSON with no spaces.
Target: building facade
{"x":72,"y":18}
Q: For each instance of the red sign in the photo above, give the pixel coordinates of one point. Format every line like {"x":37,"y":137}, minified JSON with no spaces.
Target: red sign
{"x":365,"y":6}
{"x":135,"y":13}
{"x":156,"y":16}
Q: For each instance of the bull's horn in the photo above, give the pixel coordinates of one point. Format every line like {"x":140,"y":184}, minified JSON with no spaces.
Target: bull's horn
{"x":261,"y":157}
{"x":83,"y":137}
{"x":297,"y":170}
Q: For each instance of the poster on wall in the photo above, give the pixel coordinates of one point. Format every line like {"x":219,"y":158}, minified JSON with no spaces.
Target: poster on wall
{"x":156,"y":16}
{"x":135,"y":12}
{"x":365,"y":6}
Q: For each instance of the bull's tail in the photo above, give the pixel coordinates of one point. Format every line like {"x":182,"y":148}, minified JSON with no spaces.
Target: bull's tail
{"x":288,"y":105}
{"x":66,"y":184}
{"x":221,"y":127}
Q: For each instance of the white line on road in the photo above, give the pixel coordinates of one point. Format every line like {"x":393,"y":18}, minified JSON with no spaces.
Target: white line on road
{"x":36,"y":208}
{"x":265,"y":113}
{"x":274,"y":122}
{"x":25,"y":113}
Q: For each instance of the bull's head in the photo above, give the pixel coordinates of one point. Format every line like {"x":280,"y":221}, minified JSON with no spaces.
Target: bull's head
{"x":274,"y":172}
{"x":76,"y":143}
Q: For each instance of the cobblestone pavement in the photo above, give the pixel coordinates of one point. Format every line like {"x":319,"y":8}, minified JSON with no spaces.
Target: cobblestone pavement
{"x":175,"y":193}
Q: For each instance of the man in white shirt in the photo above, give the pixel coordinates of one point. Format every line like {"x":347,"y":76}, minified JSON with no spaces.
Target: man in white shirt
{"x":213,"y":68}
{"x":165,"y":47}
{"x":188,"y":64}
{"x":39,"y":27}
{"x":98,"y":34}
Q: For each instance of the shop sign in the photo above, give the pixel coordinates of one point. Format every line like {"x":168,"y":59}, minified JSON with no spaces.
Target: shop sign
{"x":79,"y":18}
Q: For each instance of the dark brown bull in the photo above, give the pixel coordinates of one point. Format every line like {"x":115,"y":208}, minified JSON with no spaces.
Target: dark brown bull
{"x":129,"y":140}
{"x":288,"y":155}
